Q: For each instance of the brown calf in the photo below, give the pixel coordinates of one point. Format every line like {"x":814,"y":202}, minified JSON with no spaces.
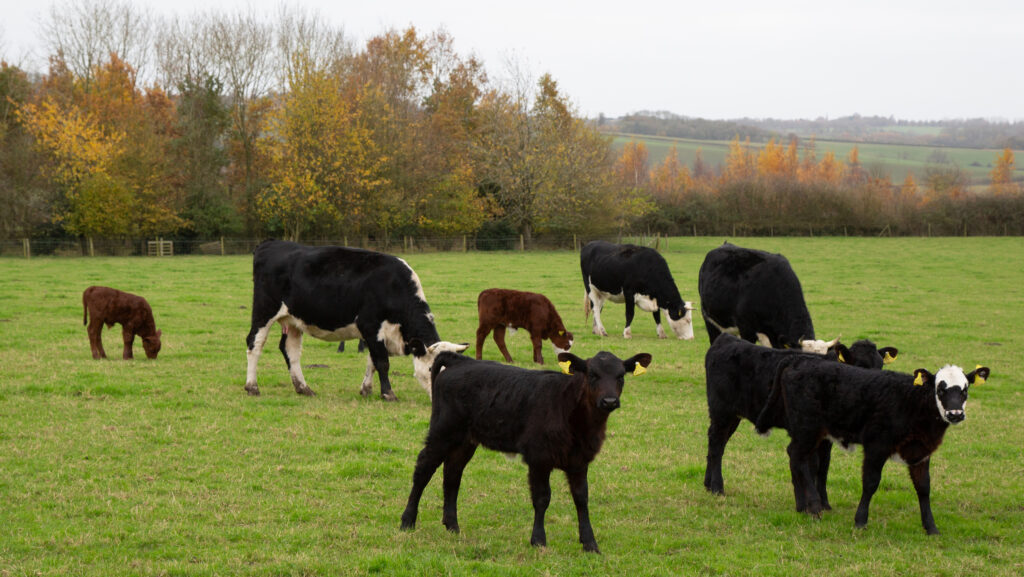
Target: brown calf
{"x":108,"y":306}
{"x":501,"y":308}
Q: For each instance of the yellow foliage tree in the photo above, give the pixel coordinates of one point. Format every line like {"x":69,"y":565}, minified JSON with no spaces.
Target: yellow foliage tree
{"x":631,"y":167}
{"x":670,"y":179}
{"x":740,"y":163}
{"x":830,"y":171}
{"x":1002,"y":174}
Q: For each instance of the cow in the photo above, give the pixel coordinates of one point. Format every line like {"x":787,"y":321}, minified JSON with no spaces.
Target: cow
{"x":637,"y":276}
{"x":739,"y":378}
{"x":892,"y":415}
{"x":107,"y":305}
{"x":755,"y":295}
{"x":337,"y":293}
{"x":554,"y":420}
{"x":502,"y":308}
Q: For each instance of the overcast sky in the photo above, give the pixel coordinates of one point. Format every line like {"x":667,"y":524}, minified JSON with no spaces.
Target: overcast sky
{"x":912,"y":59}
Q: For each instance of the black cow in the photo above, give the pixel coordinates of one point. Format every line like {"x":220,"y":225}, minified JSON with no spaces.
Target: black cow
{"x":554,"y":420}
{"x":336,"y":293}
{"x":893,"y":415}
{"x":755,"y":295}
{"x":637,"y":276}
{"x":739,"y":379}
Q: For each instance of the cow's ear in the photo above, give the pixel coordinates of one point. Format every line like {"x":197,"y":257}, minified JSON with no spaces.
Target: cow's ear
{"x":922,"y":376}
{"x":416,"y":348}
{"x":889,"y":354}
{"x":978,"y":375}
{"x":842,"y":352}
{"x":637,"y":364}
{"x":570,"y":363}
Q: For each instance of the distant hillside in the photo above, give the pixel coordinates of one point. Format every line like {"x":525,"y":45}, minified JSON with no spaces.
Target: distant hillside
{"x":964,"y":133}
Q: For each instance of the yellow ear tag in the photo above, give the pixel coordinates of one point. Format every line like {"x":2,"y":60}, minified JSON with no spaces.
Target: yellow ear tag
{"x":841,"y":359}
{"x":560,"y":333}
{"x":919,"y":380}
{"x":978,"y":379}
{"x":565,"y":367}
{"x":888,"y":358}
{"x":639,"y":369}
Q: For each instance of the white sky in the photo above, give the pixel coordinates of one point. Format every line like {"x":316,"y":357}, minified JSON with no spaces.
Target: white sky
{"x":912,"y":59}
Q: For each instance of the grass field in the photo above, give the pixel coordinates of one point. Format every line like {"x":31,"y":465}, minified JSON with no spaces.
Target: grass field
{"x":892,"y":159}
{"x":167,"y":467}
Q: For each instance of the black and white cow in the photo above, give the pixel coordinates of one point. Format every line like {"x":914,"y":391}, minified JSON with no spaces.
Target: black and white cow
{"x":755,"y":295}
{"x":337,"y":293}
{"x":637,"y":276}
{"x":739,"y":377}
{"x":892,"y":415}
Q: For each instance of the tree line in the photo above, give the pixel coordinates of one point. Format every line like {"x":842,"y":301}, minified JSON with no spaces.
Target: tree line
{"x":236,"y":125}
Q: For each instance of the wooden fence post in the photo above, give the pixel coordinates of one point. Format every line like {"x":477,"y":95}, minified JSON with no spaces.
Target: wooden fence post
{"x":27,"y":248}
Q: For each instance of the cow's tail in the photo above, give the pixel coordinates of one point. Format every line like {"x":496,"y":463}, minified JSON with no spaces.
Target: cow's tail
{"x":85,"y":309}
{"x":443,"y":361}
{"x":763,"y":425}
{"x":586,"y":306}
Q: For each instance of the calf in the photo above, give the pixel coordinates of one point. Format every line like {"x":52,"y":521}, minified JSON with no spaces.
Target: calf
{"x":554,"y":420}
{"x":893,"y":415}
{"x":739,"y":379}
{"x":501,"y":308}
{"x":755,"y":295}
{"x":108,"y":306}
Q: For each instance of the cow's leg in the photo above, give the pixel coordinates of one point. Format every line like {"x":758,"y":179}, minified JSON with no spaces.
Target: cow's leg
{"x":921,"y":478}
{"x":95,"y":330}
{"x":453,"y":467}
{"x":254,"y":347}
{"x":128,"y":335}
{"x":871,"y":475}
{"x":293,"y":356}
{"x":481,"y":335}
{"x":719,"y":432}
{"x":581,"y":498}
{"x":630,"y":311}
{"x":657,"y":322}
{"x":429,"y":459}
{"x":367,"y":384}
{"x":538,"y":344}
{"x":284,"y":351}
{"x":822,"y":461}
{"x":597,"y":304}
{"x":540,"y":493}
{"x":381,"y":363}
{"x":499,"y":339}
{"x":804,"y":491}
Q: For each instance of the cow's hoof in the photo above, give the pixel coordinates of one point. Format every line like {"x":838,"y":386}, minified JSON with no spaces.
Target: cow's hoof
{"x":591,"y":548}
{"x":252,"y":389}
{"x":305,"y":391}
{"x":389,"y":396}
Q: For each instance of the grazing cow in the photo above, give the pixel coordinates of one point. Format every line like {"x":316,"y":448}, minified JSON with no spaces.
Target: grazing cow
{"x":893,"y":415}
{"x":755,"y":295}
{"x":554,"y":420}
{"x":336,"y":293}
{"x":501,"y":308}
{"x":739,"y":379}
{"x":637,"y":276}
{"x":108,"y":306}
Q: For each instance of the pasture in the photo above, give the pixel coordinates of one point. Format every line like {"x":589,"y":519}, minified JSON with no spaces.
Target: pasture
{"x":167,"y":467}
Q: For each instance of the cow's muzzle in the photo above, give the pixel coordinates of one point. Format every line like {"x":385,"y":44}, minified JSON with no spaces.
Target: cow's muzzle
{"x":608,"y":404}
{"x":955,"y":417}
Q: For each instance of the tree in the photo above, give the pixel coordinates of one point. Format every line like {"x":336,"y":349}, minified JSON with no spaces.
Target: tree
{"x":24,"y":194}
{"x":1002,"y":175}
{"x":631,"y":168}
{"x":84,"y":33}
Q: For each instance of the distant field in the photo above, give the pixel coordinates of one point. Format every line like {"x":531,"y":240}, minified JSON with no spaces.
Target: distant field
{"x":167,"y":467}
{"x":892,"y":159}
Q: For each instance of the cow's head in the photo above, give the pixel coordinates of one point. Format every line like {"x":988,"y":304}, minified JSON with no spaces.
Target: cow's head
{"x":423,"y":358}
{"x":680,"y":319}
{"x":951,"y":386}
{"x":151,"y":345}
{"x":864,"y":353}
{"x":561,"y":341}
{"x":604,"y":373}
{"x":817,"y":346}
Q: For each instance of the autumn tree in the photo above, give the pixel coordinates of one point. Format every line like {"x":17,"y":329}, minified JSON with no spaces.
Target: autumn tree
{"x":84,"y":33}
{"x":325,"y":168}
{"x":670,"y":180}
{"x":24,"y":193}
{"x":631,"y":168}
{"x":1002,"y":175}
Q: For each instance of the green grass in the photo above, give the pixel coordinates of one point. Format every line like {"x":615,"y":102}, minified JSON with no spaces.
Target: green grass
{"x":167,"y":467}
{"x":893,"y":159}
